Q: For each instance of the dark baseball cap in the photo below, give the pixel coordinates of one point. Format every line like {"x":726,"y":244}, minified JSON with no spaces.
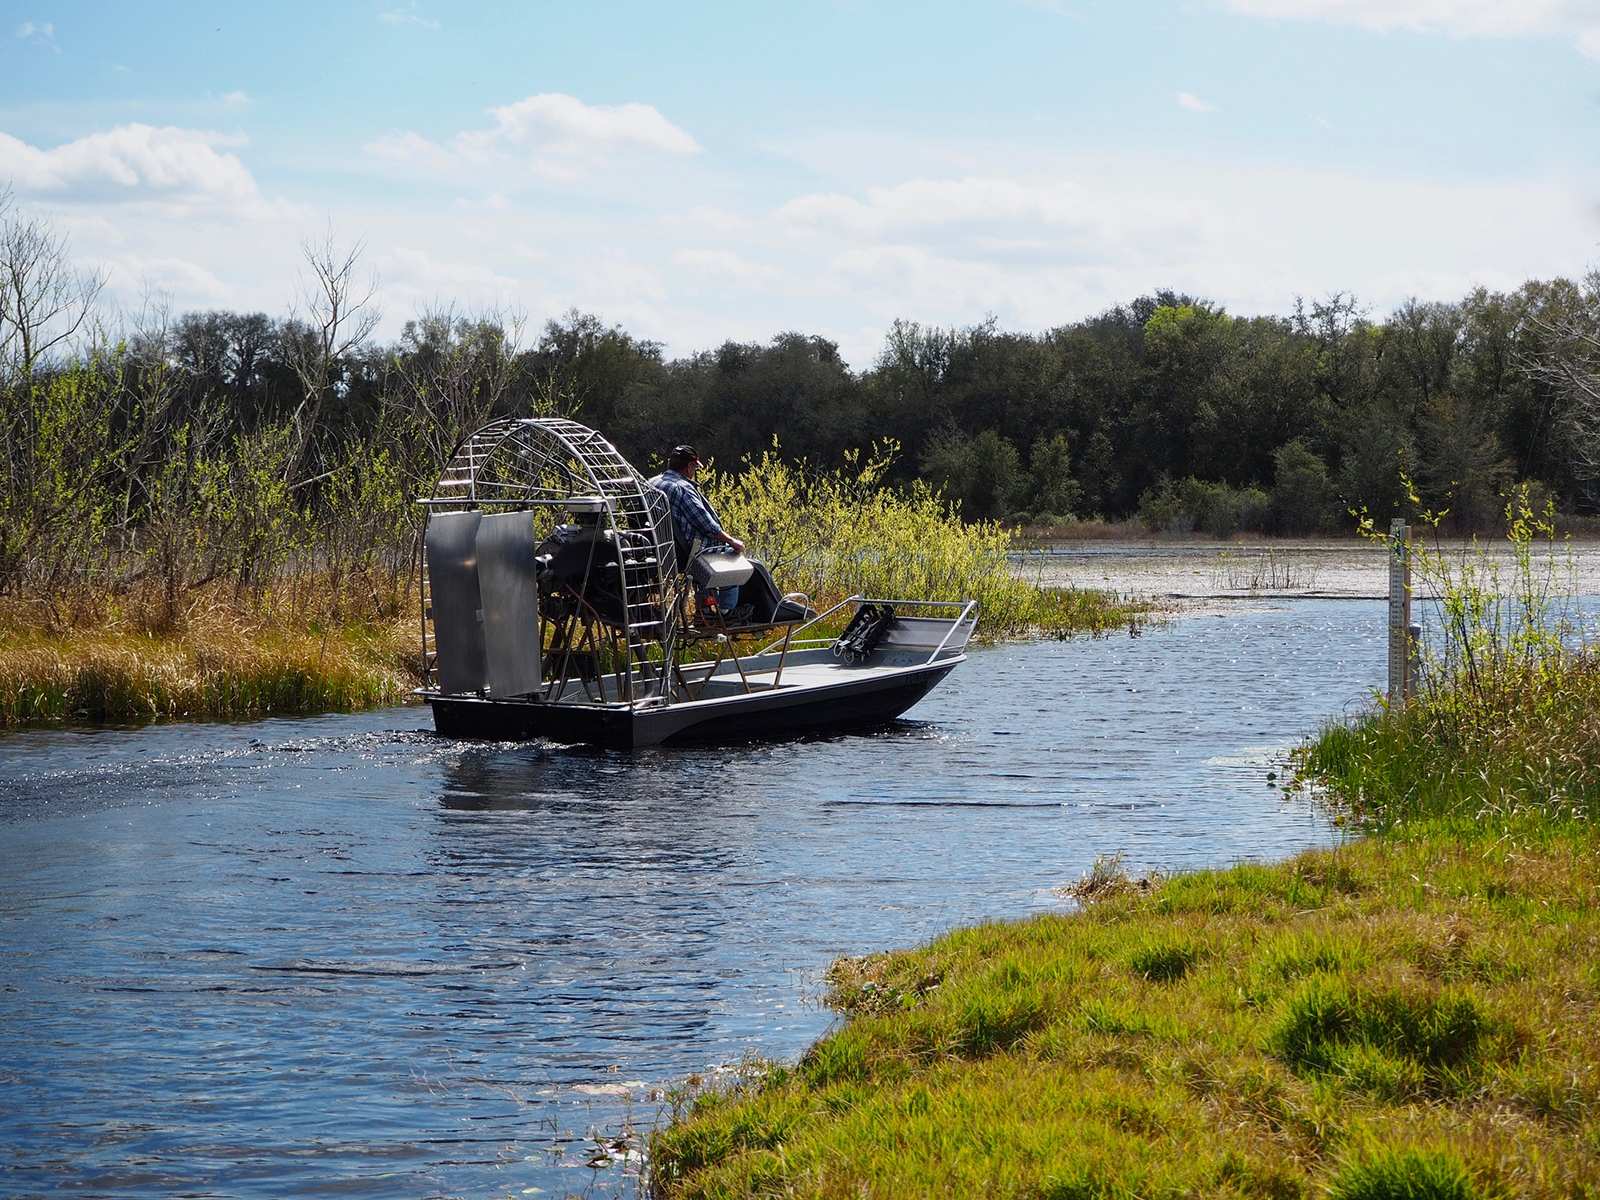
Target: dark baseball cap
{"x":684,"y":454}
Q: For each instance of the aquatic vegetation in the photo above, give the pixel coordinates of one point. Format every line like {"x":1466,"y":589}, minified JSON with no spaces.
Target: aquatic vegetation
{"x":831,"y":534}
{"x":1522,"y":749}
{"x":223,"y":663}
{"x":1267,"y":569}
{"x":1503,"y":729}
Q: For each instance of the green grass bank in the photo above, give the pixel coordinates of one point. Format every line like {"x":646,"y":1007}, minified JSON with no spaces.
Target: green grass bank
{"x":1412,"y":1015}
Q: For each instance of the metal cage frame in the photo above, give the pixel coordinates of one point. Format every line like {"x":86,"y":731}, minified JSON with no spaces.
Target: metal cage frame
{"x":531,"y":463}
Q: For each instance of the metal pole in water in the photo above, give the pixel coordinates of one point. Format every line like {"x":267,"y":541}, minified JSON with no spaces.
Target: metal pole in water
{"x":1400,"y":634}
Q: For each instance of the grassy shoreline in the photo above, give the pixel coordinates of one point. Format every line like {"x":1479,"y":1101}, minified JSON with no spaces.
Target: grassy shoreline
{"x":234,"y":665}
{"x":1414,"y":1014}
{"x":109,"y":675}
{"x":1392,"y":1012}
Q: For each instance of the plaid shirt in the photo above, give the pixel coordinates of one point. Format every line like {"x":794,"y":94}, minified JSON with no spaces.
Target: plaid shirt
{"x":691,"y":512}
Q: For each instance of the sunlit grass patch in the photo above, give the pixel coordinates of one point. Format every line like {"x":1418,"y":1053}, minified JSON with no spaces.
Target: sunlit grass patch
{"x":1249,"y":1032}
{"x":222,"y":664}
{"x":1164,"y":962}
{"x":1398,"y":1040}
{"x":1403,"y":1175}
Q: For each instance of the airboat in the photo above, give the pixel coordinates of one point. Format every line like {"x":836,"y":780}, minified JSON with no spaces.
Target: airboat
{"x":554,"y":606}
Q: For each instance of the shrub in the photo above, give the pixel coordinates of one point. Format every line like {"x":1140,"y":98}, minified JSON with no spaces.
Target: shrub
{"x":1162,"y":510}
{"x":836,"y":533}
{"x":1163,"y":963}
{"x":1302,"y":495}
{"x":1403,"y":1175}
{"x":1216,"y":509}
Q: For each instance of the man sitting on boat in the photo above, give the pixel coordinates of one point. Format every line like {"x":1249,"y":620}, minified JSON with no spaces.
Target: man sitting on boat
{"x":693,"y":517}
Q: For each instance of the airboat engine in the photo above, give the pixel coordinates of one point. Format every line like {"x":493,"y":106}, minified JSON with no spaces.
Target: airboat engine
{"x":583,"y":563}
{"x":542,"y":538}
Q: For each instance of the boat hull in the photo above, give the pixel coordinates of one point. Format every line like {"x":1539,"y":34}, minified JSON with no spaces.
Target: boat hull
{"x":871,"y":698}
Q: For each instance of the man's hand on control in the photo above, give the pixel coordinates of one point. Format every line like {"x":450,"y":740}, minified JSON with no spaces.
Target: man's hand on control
{"x":737,"y":545}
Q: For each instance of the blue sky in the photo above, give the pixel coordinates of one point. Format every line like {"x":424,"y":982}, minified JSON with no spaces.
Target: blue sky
{"x":698,"y":172}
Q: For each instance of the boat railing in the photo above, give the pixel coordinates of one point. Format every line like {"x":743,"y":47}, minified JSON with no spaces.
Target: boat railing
{"x":792,"y":641}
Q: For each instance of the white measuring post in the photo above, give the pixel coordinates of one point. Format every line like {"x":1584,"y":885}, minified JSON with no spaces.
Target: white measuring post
{"x":1400,"y":635}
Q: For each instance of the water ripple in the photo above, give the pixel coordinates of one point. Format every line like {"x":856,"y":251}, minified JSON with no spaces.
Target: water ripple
{"x":344,"y":956}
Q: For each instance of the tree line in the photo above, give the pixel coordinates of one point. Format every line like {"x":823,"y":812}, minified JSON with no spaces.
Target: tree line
{"x":182,"y":450}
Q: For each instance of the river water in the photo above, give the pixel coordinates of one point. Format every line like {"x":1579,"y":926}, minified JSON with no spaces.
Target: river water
{"x":341,"y":956}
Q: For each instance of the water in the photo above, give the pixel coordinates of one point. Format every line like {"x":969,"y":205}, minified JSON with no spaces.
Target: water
{"x":342,"y":956}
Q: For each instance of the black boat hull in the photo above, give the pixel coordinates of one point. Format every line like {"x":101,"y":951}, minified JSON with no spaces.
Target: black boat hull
{"x":851,"y":703}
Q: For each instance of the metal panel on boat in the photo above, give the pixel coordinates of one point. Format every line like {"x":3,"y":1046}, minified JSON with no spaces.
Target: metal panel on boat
{"x":509,"y":592}
{"x":926,"y":633}
{"x":451,"y":546}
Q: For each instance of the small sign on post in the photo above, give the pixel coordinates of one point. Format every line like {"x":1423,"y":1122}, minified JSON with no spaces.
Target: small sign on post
{"x":1400,"y":635}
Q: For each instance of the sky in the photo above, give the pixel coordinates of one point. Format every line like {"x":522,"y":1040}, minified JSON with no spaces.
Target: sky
{"x":700,"y":172}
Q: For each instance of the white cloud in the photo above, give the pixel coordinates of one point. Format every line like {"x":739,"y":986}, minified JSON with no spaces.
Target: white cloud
{"x":414,"y":279}
{"x":236,"y":99}
{"x":1078,"y":237}
{"x":41,"y":32}
{"x":409,"y":15}
{"x":1193,"y":103}
{"x":131,"y":162}
{"x":551,"y":135}
{"x":855,"y":151}
{"x":986,"y":201}
{"x":943,"y":233}
{"x":413,"y":150}
{"x":555,"y":121}
{"x":723,"y":266}
{"x":166,"y":276}
{"x":1579,"y":19}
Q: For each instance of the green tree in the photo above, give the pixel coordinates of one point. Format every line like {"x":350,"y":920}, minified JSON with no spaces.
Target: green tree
{"x":1054,"y":492}
{"x":1303,"y":498}
{"x":1098,"y":474}
{"x":1376,"y":446}
{"x":1463,"y":466}
{"x":982,"y":474}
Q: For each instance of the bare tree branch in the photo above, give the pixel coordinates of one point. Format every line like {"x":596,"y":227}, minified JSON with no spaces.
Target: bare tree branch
{"x":335,"y":316}
{"x":44,"y":299}
{"x":456,"y":373}
{"x":1567,"y":360}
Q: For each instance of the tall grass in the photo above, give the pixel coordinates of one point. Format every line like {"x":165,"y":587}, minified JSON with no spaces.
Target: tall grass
{"x":1505,"y":725}
{"x":224,"y":661}
{"x":842,"y":532}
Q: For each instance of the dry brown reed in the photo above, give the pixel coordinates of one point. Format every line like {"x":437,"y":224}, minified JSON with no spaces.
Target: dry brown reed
{"x":120,"y":658}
